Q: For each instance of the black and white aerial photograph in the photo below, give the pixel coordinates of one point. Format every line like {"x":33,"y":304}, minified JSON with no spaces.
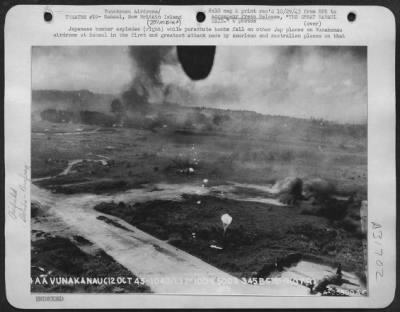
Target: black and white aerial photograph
{"x":247,"y":179}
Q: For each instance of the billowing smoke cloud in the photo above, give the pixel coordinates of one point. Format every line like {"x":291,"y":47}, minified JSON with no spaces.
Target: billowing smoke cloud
{"x":147,"y":86}
{"x":298,"y":81}
{"x":301,"y":81}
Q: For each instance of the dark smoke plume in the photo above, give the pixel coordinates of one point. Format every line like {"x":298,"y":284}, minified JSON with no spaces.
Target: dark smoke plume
{"x":147,"y":85}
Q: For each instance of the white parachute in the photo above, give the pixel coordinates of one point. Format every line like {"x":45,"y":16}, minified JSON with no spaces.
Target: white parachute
{"x":226,"y":221}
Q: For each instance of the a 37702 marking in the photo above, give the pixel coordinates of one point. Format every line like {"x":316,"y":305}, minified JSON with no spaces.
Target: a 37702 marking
{"x":377,"y":235}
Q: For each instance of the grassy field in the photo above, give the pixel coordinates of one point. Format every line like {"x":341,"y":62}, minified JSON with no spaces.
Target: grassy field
{"x":141,"y":156}
{"x":260,"y":233}
{"x":57,"y":257}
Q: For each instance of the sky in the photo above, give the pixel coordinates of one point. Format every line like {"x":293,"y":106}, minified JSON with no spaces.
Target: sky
{"x":298,"y":81}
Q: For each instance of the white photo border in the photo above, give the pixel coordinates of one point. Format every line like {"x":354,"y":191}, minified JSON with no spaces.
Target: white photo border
{"x":375,"y":28}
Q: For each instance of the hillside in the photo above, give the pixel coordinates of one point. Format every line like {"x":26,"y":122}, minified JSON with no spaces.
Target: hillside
{"x":196,"y":120}
{"x":70,"y":100}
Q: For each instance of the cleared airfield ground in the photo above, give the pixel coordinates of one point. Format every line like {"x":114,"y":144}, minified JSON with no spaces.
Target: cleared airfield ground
{"x":260,"y":233}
